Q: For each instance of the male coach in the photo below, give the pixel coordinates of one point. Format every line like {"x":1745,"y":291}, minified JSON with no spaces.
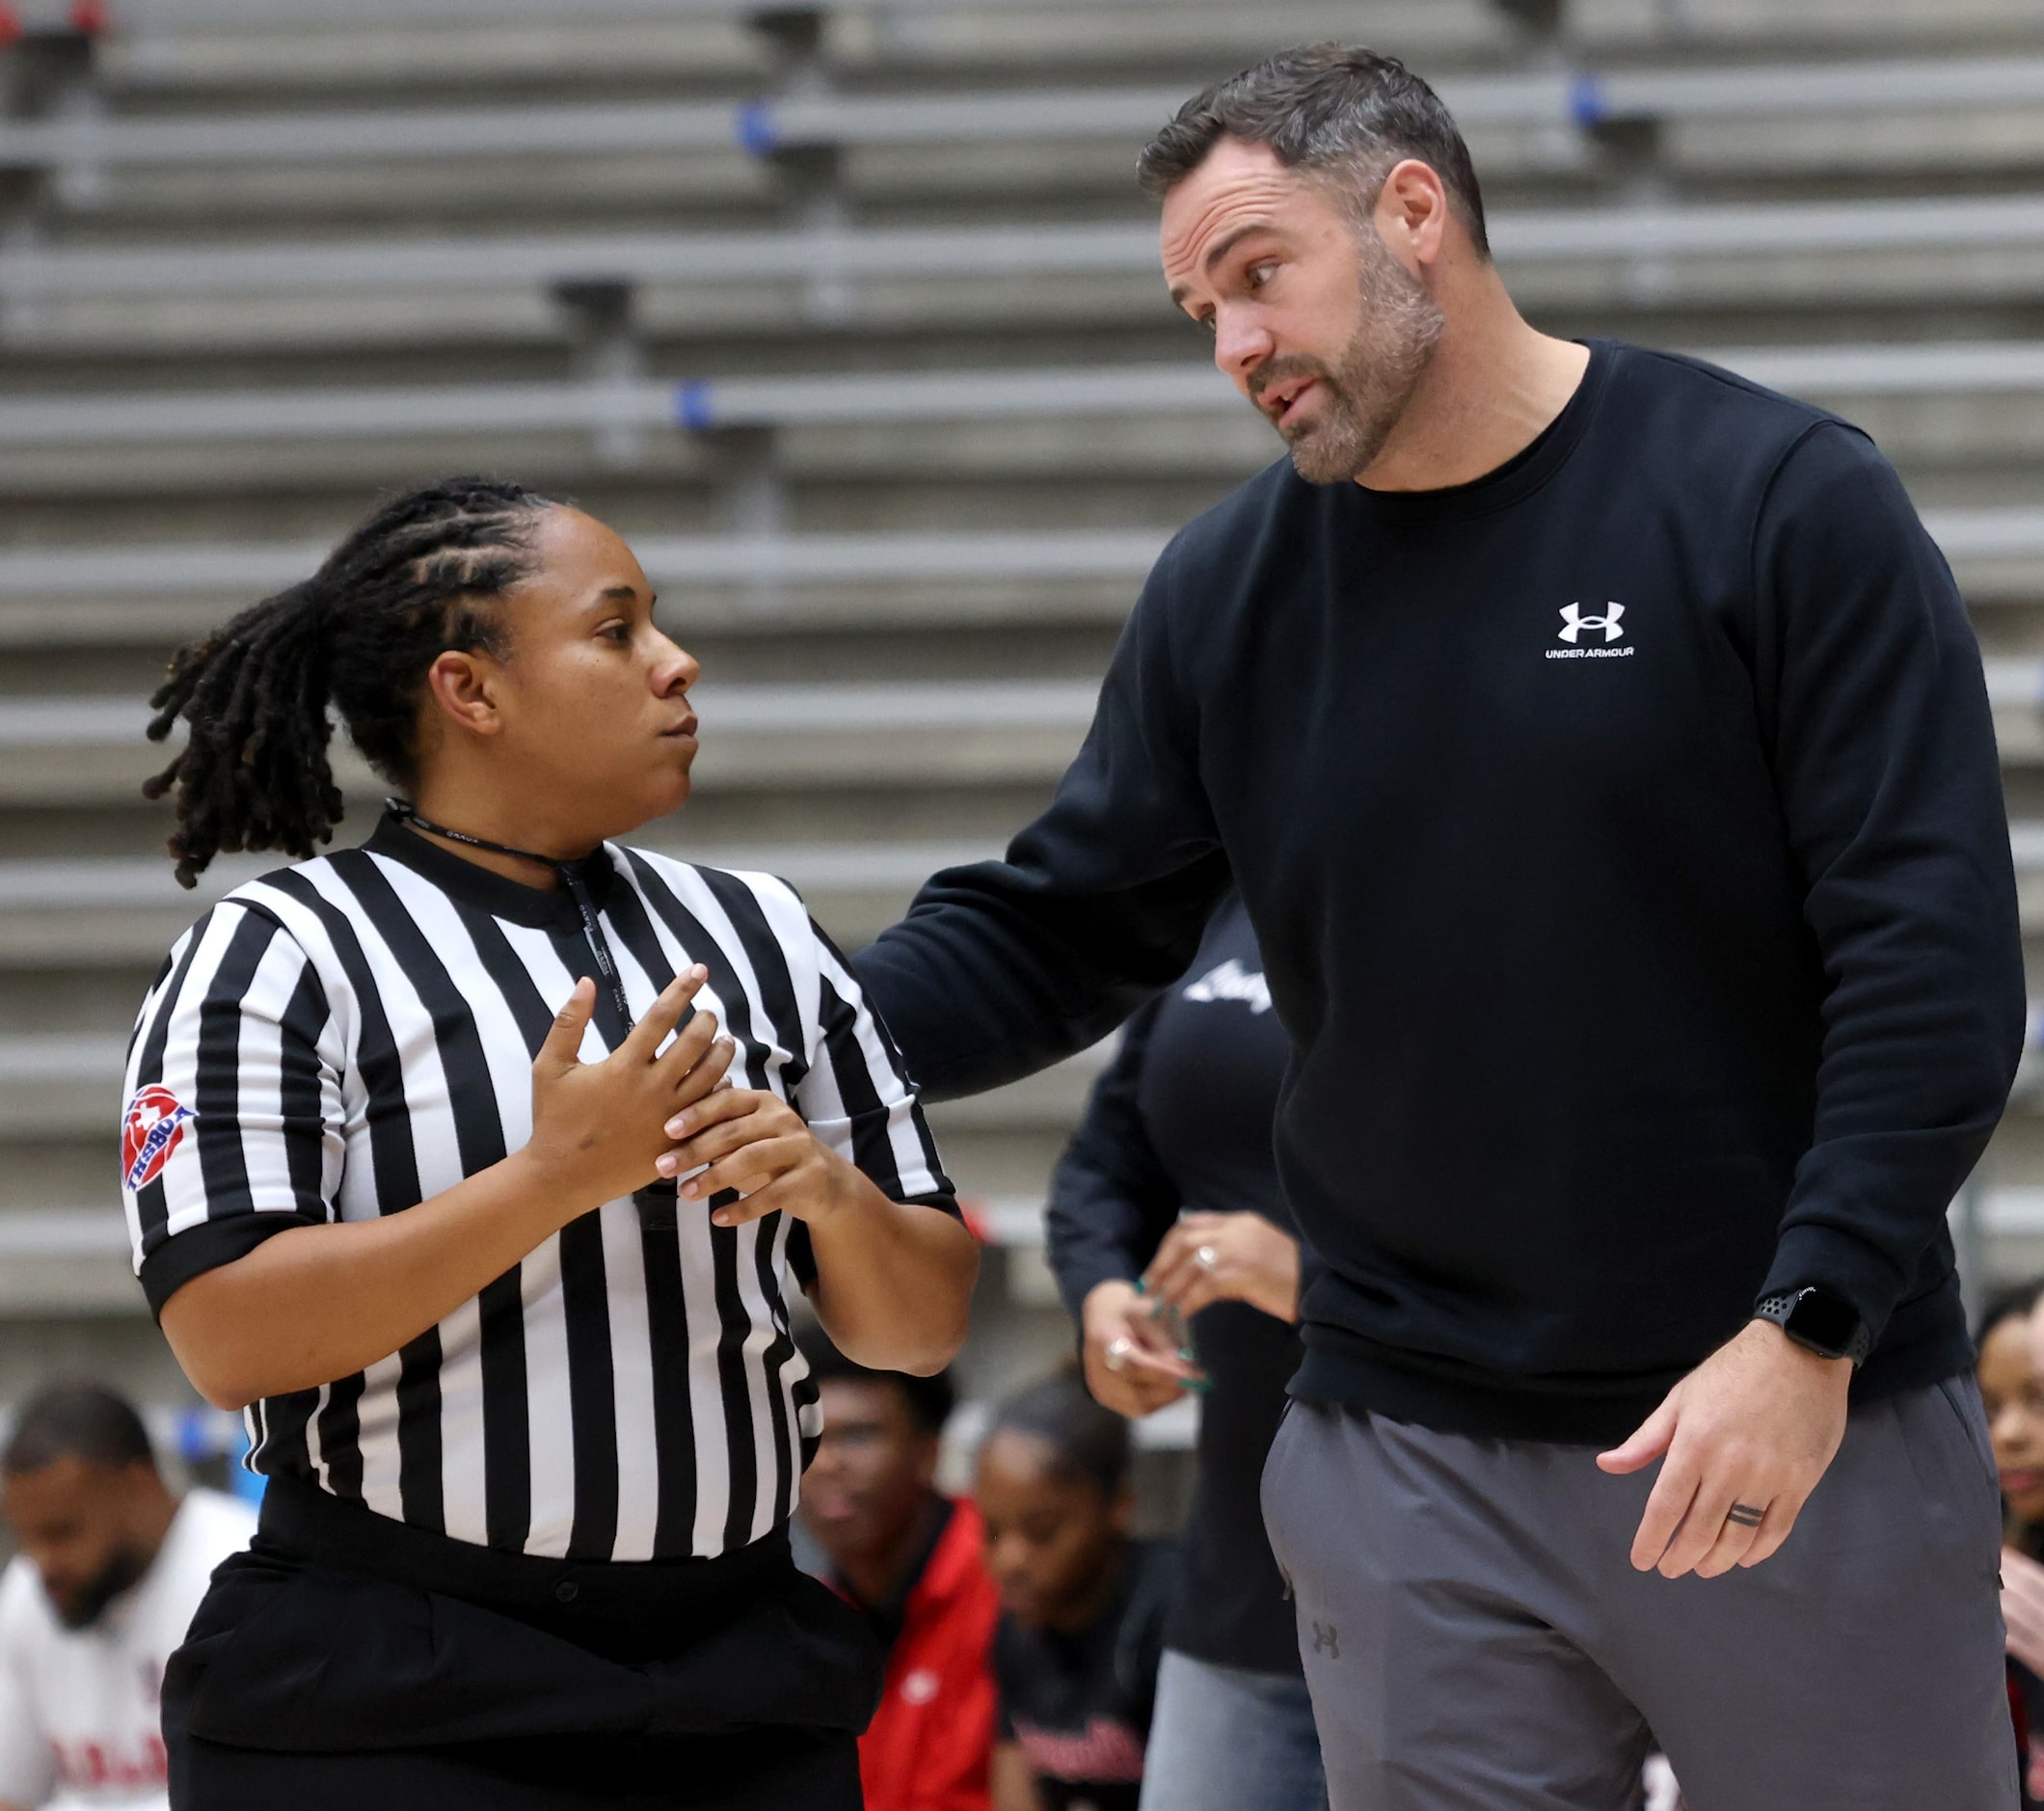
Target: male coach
{"x":1599,"y":745}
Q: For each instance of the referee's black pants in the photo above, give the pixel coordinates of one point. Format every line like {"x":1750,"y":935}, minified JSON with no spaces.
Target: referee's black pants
{"x":348,"y":1662}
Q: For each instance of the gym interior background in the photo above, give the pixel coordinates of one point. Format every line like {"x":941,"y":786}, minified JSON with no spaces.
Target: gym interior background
{"x":847,"y":316}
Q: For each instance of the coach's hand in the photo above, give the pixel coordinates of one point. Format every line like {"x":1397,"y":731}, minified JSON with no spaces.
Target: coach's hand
{"x":597,"y":1126}
{"x":1756,"y":1423}
{"x":1130,"y":1365}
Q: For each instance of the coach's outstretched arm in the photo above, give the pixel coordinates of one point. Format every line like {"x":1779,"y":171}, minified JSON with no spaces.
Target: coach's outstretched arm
{"x":1875,"y":721}
{"x":1002,"y":967}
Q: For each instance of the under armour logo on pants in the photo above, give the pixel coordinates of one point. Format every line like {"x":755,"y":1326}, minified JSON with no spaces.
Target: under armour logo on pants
{"x":1326,"y":1639}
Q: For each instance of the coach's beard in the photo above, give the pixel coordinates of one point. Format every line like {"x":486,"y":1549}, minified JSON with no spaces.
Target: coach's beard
{"x":1368,"y":387}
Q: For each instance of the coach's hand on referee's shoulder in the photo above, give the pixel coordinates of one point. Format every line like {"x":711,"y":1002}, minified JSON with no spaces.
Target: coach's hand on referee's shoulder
{"x":597,"y":1127}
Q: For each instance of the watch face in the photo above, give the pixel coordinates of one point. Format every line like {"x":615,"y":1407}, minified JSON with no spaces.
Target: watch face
{"x":1824,"y":1320}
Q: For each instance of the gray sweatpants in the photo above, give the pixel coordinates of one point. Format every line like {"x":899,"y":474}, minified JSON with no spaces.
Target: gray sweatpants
{"x":1475,"y":1638}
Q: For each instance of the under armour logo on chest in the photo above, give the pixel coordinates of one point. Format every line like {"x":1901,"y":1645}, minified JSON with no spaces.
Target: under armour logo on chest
{"x":1576,"y":622}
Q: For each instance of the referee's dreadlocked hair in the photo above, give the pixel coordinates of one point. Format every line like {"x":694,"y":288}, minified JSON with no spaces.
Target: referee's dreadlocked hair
{"x":406,"y":586}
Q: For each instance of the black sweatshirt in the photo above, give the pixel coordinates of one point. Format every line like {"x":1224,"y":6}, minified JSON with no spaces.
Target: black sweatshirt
{"x":1624,"y":834}
{"x":1181,"y":1121}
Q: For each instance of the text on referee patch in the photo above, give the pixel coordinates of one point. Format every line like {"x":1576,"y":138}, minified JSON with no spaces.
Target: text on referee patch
{"x":150,"y":1132}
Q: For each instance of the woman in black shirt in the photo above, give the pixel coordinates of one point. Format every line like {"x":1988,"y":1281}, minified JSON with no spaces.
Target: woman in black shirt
{"x":1170,"y":1179}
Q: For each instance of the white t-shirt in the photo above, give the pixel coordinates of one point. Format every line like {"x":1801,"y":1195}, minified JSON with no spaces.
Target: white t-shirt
{"x":80,"y":1725}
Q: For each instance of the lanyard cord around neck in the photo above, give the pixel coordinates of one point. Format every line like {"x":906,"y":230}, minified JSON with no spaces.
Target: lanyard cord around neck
{"x":570,"y":878}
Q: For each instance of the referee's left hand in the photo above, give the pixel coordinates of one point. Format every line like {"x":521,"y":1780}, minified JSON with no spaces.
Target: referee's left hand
{"x":1756,"y":1423}
{"x":754,"y":1143}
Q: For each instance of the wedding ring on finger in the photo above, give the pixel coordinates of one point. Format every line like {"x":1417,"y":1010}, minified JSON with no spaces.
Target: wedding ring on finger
{"x":1117,"y":1350}
{"x":1744,"y":1515}
{"x":1207,"y":1258}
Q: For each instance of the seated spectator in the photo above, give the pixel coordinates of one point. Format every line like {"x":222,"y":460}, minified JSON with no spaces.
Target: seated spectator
{"x":1083,"y":1605}
{"x":909,"y":1559}
{"x":2012,"y":1388}
{"x":111,"y":1566}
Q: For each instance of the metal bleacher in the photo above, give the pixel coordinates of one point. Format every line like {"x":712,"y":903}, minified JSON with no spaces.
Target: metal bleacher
{"x":846,"y":315}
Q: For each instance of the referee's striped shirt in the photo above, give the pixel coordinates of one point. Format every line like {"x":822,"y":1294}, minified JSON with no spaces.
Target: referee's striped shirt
{"x":350,"y":1035}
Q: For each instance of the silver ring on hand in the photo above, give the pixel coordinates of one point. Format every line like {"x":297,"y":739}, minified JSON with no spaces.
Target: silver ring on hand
{"x":1117,"y":1350}
{"x":1208,"y":1257}
{"x":1744,"y":1515}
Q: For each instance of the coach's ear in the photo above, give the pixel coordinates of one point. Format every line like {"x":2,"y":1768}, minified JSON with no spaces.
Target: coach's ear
{"x":1411,"y":214}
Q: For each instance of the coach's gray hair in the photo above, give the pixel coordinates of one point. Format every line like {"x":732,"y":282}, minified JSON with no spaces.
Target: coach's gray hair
{"x":1346,"y":114}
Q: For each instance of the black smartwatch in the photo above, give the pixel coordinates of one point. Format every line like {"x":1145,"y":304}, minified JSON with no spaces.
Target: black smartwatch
{"x":1827,"y":1324}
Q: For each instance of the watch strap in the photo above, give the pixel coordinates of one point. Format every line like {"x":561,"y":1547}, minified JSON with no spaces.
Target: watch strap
{"x":1781,"y":1311}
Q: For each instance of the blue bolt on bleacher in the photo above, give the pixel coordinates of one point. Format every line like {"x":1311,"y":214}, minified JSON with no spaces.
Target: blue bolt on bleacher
{"x":692,"y":407}
{"x":1587,"y":106}
{"x":756,"y":132}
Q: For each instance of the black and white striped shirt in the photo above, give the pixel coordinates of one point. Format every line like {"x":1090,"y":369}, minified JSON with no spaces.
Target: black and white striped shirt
{"x":352,"y":1034}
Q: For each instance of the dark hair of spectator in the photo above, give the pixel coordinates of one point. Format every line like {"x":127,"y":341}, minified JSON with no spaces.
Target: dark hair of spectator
{"x":929,"y":1400}
{"x":1344,"y":115}
{"x":1088,"y":1441}
{"x":412,"y":582}
{"x":85,"y":1419}
{"x":2019,"y":1299}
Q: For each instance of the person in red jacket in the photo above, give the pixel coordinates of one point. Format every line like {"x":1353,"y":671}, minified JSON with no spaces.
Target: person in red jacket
{"x":908,"y":1557}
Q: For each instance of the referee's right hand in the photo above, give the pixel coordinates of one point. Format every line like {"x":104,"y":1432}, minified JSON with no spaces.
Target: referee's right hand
{"x":598,"y":1128}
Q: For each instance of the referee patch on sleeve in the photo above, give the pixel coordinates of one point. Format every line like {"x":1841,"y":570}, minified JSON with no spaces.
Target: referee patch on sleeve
{"x":150,"y":1132}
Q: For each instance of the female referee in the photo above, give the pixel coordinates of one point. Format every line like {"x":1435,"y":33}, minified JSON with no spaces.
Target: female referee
{"x":473,"y":1163}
